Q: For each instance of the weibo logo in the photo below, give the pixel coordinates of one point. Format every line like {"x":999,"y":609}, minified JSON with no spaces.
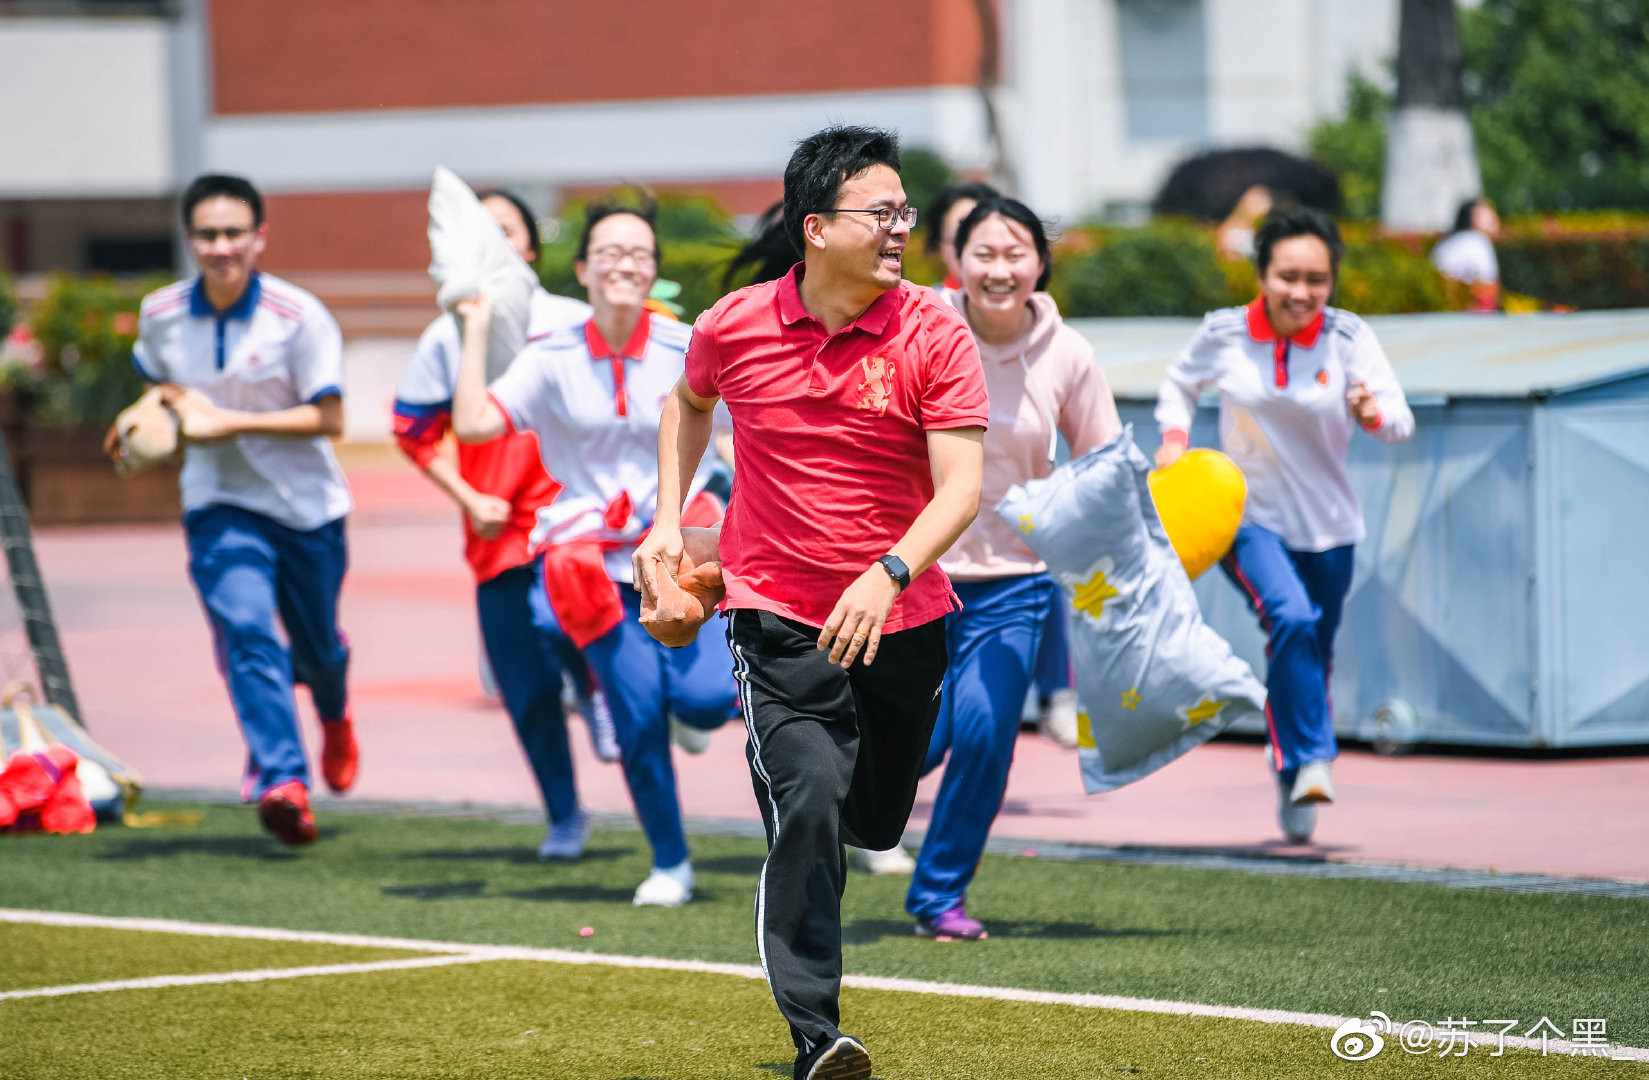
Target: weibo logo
{"x":877,"y":389}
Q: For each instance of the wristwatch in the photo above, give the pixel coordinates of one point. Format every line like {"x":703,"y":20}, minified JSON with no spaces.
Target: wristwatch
{"x":896,"y":569}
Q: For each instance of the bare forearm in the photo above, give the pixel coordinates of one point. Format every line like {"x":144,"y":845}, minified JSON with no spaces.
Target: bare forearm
{"x":476,"y":418}
{"x":957,"y":458}
{"x":940,"y":524}
{"x":325,"y":418}
{"x":443,"y":473}
{"x":683,"y":435}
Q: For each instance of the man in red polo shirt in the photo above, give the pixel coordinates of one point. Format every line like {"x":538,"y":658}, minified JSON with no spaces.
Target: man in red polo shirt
{"x":858,"y":407}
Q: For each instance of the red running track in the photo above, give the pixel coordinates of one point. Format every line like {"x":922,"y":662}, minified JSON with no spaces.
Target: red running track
{"x":139,"y":653}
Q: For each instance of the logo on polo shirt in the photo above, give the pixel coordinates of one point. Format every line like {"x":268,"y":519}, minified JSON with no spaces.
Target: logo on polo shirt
{"x":1322,"y":378}
{"x":254,"y":361}
{"x":877,"y":389}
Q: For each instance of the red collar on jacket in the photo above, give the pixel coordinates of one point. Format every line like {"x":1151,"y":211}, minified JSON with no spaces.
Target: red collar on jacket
{"x":1260,"y":329}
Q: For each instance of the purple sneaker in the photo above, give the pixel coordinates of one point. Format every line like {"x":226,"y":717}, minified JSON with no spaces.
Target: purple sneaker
{"x":952,"y":925}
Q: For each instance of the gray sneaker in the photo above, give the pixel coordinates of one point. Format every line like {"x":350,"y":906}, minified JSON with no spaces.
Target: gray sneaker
{"x":566,"y":839}
{"x":598,"y":718}
{"x":1298,"y":820}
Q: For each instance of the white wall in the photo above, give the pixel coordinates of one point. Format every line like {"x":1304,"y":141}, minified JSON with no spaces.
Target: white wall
{"x":1274,"y":68}
{"x":84,"y":108}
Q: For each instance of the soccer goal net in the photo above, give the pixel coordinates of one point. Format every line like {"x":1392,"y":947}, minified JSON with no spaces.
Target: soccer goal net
{"x":29,"y":648}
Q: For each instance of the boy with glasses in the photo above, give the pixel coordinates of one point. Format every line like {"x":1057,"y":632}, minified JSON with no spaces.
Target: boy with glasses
{"x":858,"y":409}
{"x":254,"y":365}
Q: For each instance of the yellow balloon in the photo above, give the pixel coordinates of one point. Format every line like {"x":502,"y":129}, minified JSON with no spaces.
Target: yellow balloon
{"x":1200,"y":499}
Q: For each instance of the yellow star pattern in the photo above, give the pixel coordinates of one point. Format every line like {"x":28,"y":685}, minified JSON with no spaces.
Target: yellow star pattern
{"x":1092,"y":594}
{"x":1130,"y":698}
{"x":1084,"y":731}
{"x":1206,"y":709}
{"x":1026,"y":524}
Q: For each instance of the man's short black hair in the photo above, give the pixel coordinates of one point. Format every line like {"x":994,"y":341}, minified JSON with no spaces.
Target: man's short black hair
{"x":646,"y":210}
{"x":212,"y":185}
{"x":1015,"y":211}
{"x":947,"y":197}
{"x":1295,"y":221}
{"x":822,"y":163}
{"x":520,"y":204}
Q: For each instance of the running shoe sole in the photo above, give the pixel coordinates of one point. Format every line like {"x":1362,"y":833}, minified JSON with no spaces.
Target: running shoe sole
{"x":846,"y":1060}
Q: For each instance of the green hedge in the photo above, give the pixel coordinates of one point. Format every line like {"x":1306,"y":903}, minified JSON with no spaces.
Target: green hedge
{"x":1164,"y":268}
{"x":85,"y":329}
{"x":1173,"y":268}
{"x":8,"y":307}
{"x":1584,"y":271}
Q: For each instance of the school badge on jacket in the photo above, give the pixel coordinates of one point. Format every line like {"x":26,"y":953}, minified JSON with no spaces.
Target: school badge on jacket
{"x":1152,"y":678}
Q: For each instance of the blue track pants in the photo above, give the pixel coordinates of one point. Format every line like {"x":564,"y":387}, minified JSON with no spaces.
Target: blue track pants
{"x":1298,"y":596}
{"x":992,"y":643}
{"x":527,"y":661}
{"x":645,"y":683}
{"x":250,"y":570}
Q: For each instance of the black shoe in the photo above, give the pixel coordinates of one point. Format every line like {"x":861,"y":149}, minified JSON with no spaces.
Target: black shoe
{"x":845,"y":1058}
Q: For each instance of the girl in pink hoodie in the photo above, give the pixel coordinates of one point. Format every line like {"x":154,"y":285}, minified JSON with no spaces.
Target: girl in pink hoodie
{"x":1043,"y":381}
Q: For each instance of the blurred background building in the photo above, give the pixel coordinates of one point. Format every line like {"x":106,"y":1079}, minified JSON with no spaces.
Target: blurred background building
{"x":339,"y":109}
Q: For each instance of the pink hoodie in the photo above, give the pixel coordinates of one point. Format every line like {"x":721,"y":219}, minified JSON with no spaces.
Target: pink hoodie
{"x":1049,"y":373}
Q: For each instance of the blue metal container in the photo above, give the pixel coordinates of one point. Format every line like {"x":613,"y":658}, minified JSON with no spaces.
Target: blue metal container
{"x":1502,"y":595}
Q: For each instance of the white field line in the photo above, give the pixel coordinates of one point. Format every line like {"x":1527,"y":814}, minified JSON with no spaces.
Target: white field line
{"x":459,"y":952}
{"x":155,"y":982}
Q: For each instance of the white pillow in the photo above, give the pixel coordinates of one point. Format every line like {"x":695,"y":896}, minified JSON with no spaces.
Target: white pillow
{"x":1152,"y":678}
{"x":469,"y":254}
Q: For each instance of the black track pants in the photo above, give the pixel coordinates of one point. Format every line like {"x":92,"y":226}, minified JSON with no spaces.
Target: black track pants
{"x":834,"y":757}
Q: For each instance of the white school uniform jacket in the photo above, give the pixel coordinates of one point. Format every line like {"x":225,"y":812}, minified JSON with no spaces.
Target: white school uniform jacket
{"x":595,"y":408}
{"x":1283,"y":414}
{"x":276,"y":348}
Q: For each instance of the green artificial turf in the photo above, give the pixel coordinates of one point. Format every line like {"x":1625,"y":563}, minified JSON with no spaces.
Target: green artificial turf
{"x":1224,"y":937}
{"x":33,"y":956}
{"x":521,"y":1019}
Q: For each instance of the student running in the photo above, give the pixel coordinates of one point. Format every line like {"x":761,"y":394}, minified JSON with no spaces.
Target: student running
{"x":1295,"y":378}
{"x":500,"y":486}
{"x":592,"y":396}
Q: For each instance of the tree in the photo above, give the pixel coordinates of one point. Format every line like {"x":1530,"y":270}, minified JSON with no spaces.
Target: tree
{"x":1559,"y":94}
{"x":1431,"y":159}
{"x":1354,"y":147}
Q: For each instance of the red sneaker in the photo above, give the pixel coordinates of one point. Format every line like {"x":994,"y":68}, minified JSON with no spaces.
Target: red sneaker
{"x":284,"y":811}
{"x":67,"y":810}
{"x":340,"y":756}
{"x":25,"y":785}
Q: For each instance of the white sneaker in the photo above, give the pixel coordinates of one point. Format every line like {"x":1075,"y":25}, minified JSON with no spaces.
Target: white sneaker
{"x":1058,"y":721}
{"x":666,"y":887}
{"x":692,"y":740}
{"x":566,"y":839}
{"x":1314,"y":784}
{"x":598,"y":718}
{"x":895,"y":860}
{"x":1298,"y":820}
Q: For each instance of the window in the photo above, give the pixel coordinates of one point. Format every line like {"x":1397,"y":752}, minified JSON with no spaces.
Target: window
{"x":1164,"y":47}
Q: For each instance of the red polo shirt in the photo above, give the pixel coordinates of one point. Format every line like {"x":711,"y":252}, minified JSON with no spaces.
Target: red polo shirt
{"x":829,"y":437}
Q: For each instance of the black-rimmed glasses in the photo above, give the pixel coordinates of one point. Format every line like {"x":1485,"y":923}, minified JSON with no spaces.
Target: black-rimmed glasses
{"x":886,"y":216}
